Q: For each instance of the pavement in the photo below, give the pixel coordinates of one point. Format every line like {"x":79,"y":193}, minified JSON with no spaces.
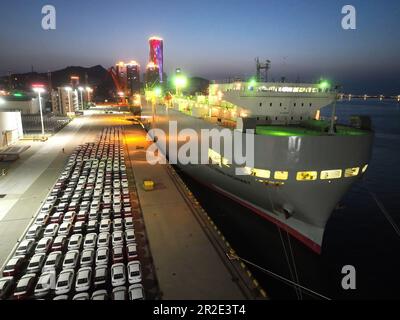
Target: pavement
{"x":186,"y":263}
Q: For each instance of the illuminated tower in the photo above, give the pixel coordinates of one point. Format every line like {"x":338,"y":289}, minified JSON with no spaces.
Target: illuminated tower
{"x":133,"y":77}
{"x":156,"y":55}
{"x":121,"y":74}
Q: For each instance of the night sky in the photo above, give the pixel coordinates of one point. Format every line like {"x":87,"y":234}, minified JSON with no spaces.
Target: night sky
{"x":213,"y":39}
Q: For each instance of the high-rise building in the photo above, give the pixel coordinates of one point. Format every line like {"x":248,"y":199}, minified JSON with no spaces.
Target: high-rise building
{"x":74,"y":82}
{"x":152,"y":75}
{"x":133,"y":77}
{"x":156,"y":55}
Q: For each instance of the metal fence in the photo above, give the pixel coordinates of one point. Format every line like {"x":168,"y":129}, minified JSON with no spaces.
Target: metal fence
{"x":52,"y":123}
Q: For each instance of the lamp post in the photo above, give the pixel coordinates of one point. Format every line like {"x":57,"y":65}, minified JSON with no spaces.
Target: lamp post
{"x":69,"y":89}
{"x":180,"y":82}
{"x":81,"y":90}
{"x":39,"y":88}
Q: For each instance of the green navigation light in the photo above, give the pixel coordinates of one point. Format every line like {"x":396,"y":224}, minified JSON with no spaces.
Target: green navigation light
{"x":324,"y":84}
{"x":157,"y":91}
{"x":18,"y":94}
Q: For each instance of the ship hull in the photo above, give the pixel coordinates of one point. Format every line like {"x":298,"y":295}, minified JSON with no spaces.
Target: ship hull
{"x":302,"y":208}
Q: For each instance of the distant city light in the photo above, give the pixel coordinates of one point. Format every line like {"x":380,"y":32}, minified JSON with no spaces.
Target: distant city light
{"x":18,"y":94}
{"x":180,"y":81}
{"x":2,"y":101}
{"x":68,"y":88}
{"x":324,"y":84}
{"x":89,"y":89}
{"x":81,"y":88}
{"x":252,"y":82}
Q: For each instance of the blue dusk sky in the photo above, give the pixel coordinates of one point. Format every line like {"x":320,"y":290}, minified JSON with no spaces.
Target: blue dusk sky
{"x":212,"y":39}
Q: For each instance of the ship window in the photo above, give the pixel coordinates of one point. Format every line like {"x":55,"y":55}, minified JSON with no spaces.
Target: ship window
{"x":302,"y":104}
{"x":260,"y":104}
{"x":294,"y":104}
{"x":306,"y":175}
{"x":364,"y":168}
{"x":280,"y":104}
{"x":291,"y":118}
{"x":266,"y":118}
{"x":301,"y":118}
{"x":270,"y":104}
{"x":258,"y":118}
{"x":276,"y":118}
{"x":281,"y":175}
{"x":331,"y":174}
{"x":351,"y":172}
{"x":261,"y":173}
{"x":310,"y":104}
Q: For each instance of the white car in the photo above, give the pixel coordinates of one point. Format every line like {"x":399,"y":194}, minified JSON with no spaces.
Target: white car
{"x":119,"y":293}
{"x":36,"y":263}
{"x":136,"y":292}
{"x":34,"y":232}
{"x":83,"y":279}
{"x":134,"y":272}
{"x":100,"y":295}
{"x":81,"y":296}
{"x":75,"y":242}
{"x":102,"y":256}
{"x":130,"y":236}
{"x":117,"y":238}
{"x":47,"y":207}
{"x":65,"y":229}
{"x":44,"y":245}
{"x":87,"y":257}
{"x":65,"y":282}
{"x":53,"y":262}
{"x":69,"y":216}
{"x":51,"y":230}
{"x":118,"y":275}
{"x":45,"y":284}
{"x":25,"y":248}
{"x":103,"y":239}
{"x":42,"y":219}
{"x":100,"y":275}
{"x":71,"y":259}
{"x":128,"y":223}
{"x":90,"y":241}
{"x":105,"y":225}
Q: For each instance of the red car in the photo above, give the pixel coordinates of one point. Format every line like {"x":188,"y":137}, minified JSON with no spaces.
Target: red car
{"x":57,"y":217}
{"x":14,"y":266}
{"x":82,"y":216}
{"x":59,"y":244}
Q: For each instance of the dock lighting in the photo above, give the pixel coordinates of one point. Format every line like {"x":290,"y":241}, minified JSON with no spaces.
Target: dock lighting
{"x":120,"y":93}
{"x":81,"y":90}
{"x":324,"y":84}
{"x":18,"y":94}
{"x":180,"y":81}
{"x":39,"y":88}
{"x":252,"y":83}
{"x":157,"y":91}
{"x":2,"y":101}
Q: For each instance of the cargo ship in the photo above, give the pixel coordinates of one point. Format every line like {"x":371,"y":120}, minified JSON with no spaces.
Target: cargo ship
{"x":303,"y":164}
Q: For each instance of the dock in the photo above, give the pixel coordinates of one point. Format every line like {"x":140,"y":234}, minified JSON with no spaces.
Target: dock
{"x":189,"y":253}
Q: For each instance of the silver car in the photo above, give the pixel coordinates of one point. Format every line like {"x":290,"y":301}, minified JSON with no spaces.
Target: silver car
{"x":83,"y":279}
{"x":65,"y":282}
{"x":36,"y":263}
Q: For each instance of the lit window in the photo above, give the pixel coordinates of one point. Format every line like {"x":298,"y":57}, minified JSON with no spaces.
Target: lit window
{"x":306,"y":175}
{"x":261,"y":173}
{"x":351,"y":172}
{"x":364,"y":168}
{"x":331,"y":174}
{"x":281,"y":175}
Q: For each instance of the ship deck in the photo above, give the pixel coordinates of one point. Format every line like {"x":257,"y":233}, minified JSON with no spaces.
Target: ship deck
{"x":287,"y":131}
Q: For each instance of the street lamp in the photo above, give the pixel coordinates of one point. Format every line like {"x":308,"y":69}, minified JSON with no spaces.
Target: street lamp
{"x":69,"y":89}
{"x":180,"y":82}
{"x":39,"y":88}
{"x":89,"y":91}
{"x":81,"y":90}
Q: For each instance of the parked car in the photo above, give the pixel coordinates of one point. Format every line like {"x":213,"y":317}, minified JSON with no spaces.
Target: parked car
{"x":25,"y":286}
{"x":34,"y":232}
{"x":36,"y":263}
{"x":102,"y":256}
{"x":101,"y":275}
{"x":83,"y":279}
{"x":136,"y":292}
{"x":105,"y":225}
{"x":42,"y":219}
{"x":53,"y":262}
{"x":103,"y":239}
{"x":119,"y":293}
{"x":128,"y":223}
{"x":70,"y":216}
{"x":59,"y":244}
{"x":71,"y":259}
{"x":45,"y":284}
{"x":81,"y":296}
{"x":100,"y":295}
{"x":75,"y":242}
{"x":82,"y":216}
{"x":65,"y":229}
{"x":44,"y":245}
{"x":87,"y":257}
{"x":14,"y":266}
{"x":117,"y":225}
{"x":25,"y":248}
{"x":79,"y":227}
{"x":7,"y":285}
{"x":118,"y":238}
{"x":117,"y":254}
{"x":131,"y":252}
{"x":51,"y":230}
{"x":90,"y":241}
{"x":134,"y":272}
{"x":130,"y":236}
{"x":65,"y":282}
{"x":118,"y":276}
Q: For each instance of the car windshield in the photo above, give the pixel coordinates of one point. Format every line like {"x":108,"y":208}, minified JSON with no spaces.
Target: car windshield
{"x":73,"y":242}
{"x":69,"y":261}
{"x":135,"y":273}
{"x":34,"y":264}
{"x":100,"y":278}
{"x":9,"y":267}
{"x":87,"y":258}
{"x":118,"y":276}
{"x":63,"y":283}
{"x":82,"y":280}
{"x":21,"y":289}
